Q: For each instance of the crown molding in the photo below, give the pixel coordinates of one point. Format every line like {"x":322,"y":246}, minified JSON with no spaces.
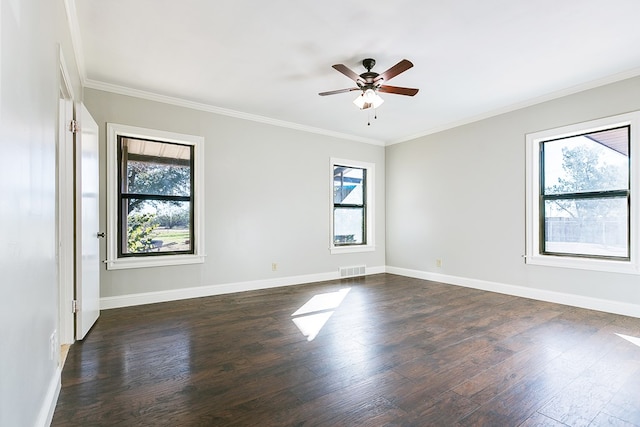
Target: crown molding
{"x":634,"y":72}
{"x":180,"y":102}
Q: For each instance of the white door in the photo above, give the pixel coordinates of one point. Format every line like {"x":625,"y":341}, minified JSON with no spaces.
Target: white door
{"x":87,"y":224}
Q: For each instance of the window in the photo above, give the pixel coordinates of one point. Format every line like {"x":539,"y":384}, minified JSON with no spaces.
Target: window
{"x":352,"y":206}
{"x":582,"y":211}
{"x":154,"y":200}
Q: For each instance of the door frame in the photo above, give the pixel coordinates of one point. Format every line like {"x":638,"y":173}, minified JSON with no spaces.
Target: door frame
{"x":65,"y":229}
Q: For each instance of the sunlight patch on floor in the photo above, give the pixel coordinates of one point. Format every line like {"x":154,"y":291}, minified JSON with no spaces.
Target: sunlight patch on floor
{"x":312,"y":316}
{"x":633,"y":340}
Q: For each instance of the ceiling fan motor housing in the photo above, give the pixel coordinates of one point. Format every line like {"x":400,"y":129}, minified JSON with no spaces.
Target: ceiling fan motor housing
{"x":368,"y":63}
{"x":369,"y":76}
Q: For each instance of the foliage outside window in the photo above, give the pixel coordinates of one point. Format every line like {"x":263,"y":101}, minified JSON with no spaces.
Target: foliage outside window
{"x":581,"y":204}
{"x":351,"y":214}
{"x":155,"y":202}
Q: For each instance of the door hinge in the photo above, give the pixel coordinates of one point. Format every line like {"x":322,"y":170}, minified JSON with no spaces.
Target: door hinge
{"x":74,"y":306}
{"x":73,"y":126}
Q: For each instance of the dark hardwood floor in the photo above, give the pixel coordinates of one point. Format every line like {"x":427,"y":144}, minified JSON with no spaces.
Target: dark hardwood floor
{"x":396,"y":351}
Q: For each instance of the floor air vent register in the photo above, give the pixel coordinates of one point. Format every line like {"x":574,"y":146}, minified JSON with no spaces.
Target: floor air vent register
{"x":353,"y":271}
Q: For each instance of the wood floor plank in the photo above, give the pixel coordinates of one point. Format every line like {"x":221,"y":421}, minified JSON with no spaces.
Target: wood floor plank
{"x":624,"y":406}
{"x":396,"y":351}
{"x":488,"y":383}
{"x":539,"y":420}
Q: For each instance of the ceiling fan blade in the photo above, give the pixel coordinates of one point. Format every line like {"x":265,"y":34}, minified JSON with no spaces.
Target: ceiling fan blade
{"x":400,"y":67}
{"x":333,"y":92}
{"x":398,"y":90}
{"x":347,"y":72}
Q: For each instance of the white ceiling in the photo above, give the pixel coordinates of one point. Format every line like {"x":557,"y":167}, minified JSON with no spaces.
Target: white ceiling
{"x":268,"y":60}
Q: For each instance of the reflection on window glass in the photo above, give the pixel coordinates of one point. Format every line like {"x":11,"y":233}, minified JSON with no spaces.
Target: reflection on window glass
{"x":349,"y":189}
{"x":347,"y":185}
{"x":586,"y":232}
{"x":347,"y":224}
{"x":586,"y":194}
{"x":582,"y":163}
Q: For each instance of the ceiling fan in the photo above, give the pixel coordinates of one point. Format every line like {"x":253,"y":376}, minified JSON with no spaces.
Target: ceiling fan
{"x":370,"y":83}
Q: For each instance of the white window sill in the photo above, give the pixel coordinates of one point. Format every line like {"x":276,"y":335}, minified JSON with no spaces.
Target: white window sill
{"x":625,"y":267}
{"x":154,"y":261}
{"x":351,"y":249}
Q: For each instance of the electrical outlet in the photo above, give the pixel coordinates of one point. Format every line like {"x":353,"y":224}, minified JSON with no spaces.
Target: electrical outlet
{"x":274,"y":266}
{"x":438,"y":262}
{"x":53,"y":344}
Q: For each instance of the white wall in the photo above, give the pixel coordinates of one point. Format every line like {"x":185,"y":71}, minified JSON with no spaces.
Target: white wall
{"x":267,"y":199}
{"x":459,"y":196}
{"x":30,"y":33}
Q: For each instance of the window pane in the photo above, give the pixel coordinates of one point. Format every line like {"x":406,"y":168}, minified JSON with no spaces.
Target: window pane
{"x":149,"y":178}
{"x":348,"y":185}
{"x":348,"y":226}
{"x":587,"y":226}
{"x":153,"y":167}
{"x":598,"y":161}
{"x":157,"y":226}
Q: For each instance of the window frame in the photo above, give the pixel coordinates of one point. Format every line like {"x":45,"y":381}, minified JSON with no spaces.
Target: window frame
{"x":535,"y":198}
{"x":115,"y":259}
{"x":369,"y":208}
{"x":122,"y":196}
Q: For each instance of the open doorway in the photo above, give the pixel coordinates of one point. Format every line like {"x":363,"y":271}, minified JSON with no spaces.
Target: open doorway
{"x":77,"y":217}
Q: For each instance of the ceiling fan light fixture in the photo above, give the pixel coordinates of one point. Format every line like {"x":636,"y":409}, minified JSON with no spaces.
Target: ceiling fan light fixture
{"x":368,"y":99}
{"x":377,"y":101}
{"x":359,"y":101}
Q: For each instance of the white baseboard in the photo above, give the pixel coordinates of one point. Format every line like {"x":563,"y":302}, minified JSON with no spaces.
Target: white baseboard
{"x":45,"y":415}
{"x":609,"y":306}
{"x":227,"y":288}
